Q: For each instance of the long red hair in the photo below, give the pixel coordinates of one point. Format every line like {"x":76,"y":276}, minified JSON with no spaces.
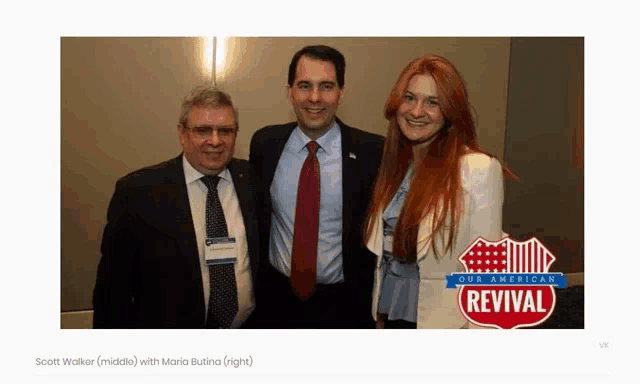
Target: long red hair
{"x":436,"y":187}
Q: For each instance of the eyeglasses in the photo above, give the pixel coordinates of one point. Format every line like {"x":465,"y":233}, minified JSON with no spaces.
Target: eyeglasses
{"x":203,"y":132}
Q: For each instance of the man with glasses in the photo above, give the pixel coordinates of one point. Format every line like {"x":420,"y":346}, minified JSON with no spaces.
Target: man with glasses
{"x":179,"y":249}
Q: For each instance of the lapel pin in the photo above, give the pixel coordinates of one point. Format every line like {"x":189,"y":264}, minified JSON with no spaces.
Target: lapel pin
{"x":352,"y":155}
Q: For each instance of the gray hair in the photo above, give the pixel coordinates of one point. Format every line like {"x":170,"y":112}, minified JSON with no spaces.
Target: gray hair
{"x":206,"y":96}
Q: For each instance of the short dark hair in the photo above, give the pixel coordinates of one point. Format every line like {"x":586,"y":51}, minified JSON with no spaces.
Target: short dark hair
{"x":205,"y":96}
{"x":322,"y":53}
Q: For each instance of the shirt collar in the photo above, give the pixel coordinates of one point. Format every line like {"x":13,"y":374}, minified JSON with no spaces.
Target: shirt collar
{"x":192,"y":175}
{"x":325,"y":142}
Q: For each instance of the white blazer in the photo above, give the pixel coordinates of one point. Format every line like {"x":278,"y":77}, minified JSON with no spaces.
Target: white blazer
{"x":483,"y":195}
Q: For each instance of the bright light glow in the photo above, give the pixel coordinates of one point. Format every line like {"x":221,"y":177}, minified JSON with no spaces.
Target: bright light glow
{"x":205,"y":57}
{"x":223,"y":57}
{"x":222,"y":43}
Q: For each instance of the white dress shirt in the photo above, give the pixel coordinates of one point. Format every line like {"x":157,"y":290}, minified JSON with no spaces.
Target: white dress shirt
{"x":197,"y":191}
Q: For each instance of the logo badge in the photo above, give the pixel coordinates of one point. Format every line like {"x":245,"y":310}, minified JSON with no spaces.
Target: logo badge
{"x":506,"y":284}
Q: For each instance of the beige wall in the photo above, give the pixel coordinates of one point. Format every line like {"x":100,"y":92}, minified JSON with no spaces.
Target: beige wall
{"x":121,"y":96}
{"x":257,"y":76}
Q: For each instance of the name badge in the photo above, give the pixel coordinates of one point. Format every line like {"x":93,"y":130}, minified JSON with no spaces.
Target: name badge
{"x":220,"y":250}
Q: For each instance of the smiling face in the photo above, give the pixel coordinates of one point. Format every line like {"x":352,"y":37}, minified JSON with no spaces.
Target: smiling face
{"x":209,"y":154}
{"x":315,"y":96}
{"x":419,"y":116}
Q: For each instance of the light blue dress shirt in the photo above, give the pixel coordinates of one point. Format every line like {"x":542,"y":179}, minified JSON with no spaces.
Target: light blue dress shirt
{"x":284,"y":191}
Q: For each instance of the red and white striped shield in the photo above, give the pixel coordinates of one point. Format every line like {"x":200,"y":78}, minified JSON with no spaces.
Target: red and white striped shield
{"x":518,"y":302}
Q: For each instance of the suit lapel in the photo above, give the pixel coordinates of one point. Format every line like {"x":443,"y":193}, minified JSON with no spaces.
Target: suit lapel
{"x":181,"y":226}
{"x":349,"y":178}
{"x":241,"y":183}
{"x":271,"y":162}
{"x":349,"y":186}
{"x":240,"y":179}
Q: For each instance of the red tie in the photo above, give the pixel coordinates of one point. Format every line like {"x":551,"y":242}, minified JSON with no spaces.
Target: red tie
{"x":305,"y":232}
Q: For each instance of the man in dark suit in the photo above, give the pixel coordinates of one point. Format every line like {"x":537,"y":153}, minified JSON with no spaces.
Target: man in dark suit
{"x":315,"y":178}
{"x":180,"y":247}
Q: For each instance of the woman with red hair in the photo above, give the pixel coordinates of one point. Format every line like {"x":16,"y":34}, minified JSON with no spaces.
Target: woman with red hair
{"x":435,"y":193}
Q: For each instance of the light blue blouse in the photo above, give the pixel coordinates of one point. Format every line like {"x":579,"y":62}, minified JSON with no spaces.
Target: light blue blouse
{"x":400,"y":286}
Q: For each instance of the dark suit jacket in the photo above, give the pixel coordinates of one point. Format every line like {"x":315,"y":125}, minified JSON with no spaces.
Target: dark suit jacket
{"x":361,"y":154}
{"x":149,"y":275}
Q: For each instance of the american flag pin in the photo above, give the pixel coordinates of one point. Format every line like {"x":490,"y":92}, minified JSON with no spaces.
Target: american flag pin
{"x":352,"y":155}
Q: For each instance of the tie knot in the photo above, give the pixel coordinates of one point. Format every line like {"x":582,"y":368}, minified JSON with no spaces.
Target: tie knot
{"x":210,"y":181}
{"x":313,"y":147}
